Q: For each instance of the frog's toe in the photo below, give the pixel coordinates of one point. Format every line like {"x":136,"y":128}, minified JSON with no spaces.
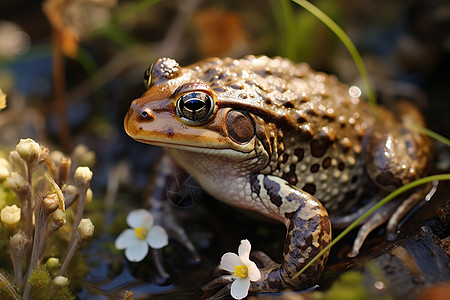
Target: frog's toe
{"x":373,"y":221}
{"x":263,"y":259}
{"x":156,"y":255}
{"x":177,"y":233}
{"x":406,"y":206}
{"x":218,"y":288}
{"x":400,"y":212}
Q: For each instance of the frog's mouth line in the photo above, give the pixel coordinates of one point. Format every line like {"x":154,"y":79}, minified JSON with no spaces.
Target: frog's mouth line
{"x":198,"y":149}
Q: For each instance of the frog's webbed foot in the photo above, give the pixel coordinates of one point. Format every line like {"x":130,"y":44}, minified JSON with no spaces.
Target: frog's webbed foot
{"x":219,"y":288}
{"x":162,"y":213}
{"x":380,"y":217}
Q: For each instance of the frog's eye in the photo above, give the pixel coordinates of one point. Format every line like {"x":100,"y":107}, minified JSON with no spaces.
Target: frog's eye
{"x":148,"y":76}
{"x":195,"y":107}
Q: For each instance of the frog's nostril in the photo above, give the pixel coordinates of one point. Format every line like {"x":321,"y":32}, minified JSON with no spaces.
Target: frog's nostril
{"x":146,"y":114}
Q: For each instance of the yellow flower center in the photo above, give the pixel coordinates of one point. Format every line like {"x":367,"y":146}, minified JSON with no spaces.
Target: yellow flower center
{"x":241,"y":271}
{"x":140,"y":232}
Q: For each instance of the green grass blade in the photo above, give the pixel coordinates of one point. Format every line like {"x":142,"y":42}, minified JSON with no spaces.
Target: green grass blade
{"x":289,"y":28}
{"x":432,"y":134}
{"x":385,"y":200}
{"x":348,"y":44}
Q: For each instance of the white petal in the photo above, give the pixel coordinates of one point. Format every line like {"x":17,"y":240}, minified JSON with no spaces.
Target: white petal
{"x":253,"y":272}
{"x":239,"y":288}
{"x":125,"y":238}
{"x":244,"y":249}
{"x":140,"y":218}
{"x":136,"y":251}
{"x":229,"y":261}
{"x":157,"y":237}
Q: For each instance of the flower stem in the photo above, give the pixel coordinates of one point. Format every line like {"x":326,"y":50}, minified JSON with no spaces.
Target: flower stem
{"x":39,"y":228}
{"x":75,"y":239}
{"x":72,"y":248}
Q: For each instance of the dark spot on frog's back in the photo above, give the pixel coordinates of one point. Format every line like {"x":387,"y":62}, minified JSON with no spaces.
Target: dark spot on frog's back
{"x":300,"y":153}
{"x":310,"y":188}
{"x":290,"y":176}
{"x":387,"y":179}
{"x":326,"y":162}
{"x":320,"y":145}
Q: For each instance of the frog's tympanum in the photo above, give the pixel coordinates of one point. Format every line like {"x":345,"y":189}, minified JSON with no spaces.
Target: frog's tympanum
{"x":280,"y":139}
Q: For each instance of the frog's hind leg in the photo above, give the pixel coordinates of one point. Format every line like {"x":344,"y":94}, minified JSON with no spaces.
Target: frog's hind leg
{"x":396,"y":154}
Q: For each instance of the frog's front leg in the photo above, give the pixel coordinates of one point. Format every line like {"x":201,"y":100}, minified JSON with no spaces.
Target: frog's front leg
{"x":161,"y":208}
{"x":308,"y":232}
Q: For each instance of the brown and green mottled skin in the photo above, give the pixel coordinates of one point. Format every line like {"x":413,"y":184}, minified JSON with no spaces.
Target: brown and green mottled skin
{"x":282,"y":140}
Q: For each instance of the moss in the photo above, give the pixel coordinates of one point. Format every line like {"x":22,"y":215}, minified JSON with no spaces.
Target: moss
{"x":42,"y":287}
{"x":62,"y":293}
{"x":349,"y":286}
{"x":40,"y":282}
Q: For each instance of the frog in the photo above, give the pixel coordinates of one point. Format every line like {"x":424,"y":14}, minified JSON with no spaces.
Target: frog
{"x":285,"y":141}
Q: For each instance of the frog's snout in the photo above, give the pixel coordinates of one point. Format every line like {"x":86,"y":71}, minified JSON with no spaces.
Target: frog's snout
{"x":136,"y":116}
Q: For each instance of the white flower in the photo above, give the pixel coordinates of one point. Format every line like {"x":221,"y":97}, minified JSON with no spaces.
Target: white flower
{"x":242,"y":268}
{"x":10,"y":215}
{"x":142,"y":234}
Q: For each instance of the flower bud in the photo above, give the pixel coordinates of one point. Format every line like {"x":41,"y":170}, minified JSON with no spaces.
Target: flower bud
{"x":51,"y":203}
{"x":18,"y":242}
{"x":70,"y":194}
{"x":86,"y":229}
{"x":61,"y":281}
{"x":4,"y":168}
{"x":18,"y":184}
{"x":57,"y":220}
{"x":83,"y":156}
{"x":56,"y":157}
{"x":64,"y":169}
{"x":10,"y":216}
{"x":5,"y":163}
{"x":83,"y":175}
{"x":89,"y":195}
{"x":17,"y":163}
{"x":52,"y":263}
{"x":28,"y":150}
{"x":2,"y":100}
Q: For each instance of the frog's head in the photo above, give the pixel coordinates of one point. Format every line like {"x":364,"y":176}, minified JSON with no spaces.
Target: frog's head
{"x":180,"y":111}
